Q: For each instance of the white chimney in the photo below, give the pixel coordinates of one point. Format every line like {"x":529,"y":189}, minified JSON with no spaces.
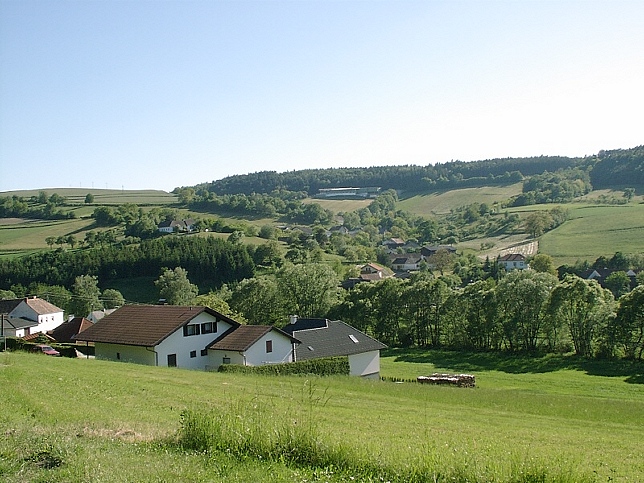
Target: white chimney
{"x":293,"y":319}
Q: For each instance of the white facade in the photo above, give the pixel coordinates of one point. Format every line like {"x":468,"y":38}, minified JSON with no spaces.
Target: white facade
{"x":281,"y":351}
{"x":176,"y":350}
{"x":365,"y":364}
{"x":42,"y":322}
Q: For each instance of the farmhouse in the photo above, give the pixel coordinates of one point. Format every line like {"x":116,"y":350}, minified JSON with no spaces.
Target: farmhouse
{"x":512,"y":261}
{"x":410,"y":261}
{"x":29,"y":315}
{"x":170,"y":226}
{"x":326,"y":338}
{"x":187,"y":337}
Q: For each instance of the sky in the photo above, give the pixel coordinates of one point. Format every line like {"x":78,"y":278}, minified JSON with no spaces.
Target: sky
{"x":144,"y":94}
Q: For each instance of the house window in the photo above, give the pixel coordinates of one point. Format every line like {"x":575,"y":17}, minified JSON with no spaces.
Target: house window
{"x":189,"y":330}
{"x":172,"y":360}
{"x":269,"y":346}
{"x":118,"y":356}
{"x":193,"y":354}
{"x":204,"y":352}
{"x":209,"y":327}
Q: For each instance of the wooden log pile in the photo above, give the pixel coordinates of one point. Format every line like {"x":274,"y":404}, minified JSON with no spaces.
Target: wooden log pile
{"x":460,"y":380}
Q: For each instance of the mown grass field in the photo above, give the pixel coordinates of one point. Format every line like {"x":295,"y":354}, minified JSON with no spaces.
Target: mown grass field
{"x":595,"y":230}
{"x":102,"y":196}
{"x":442,"y":202}
{"x":546,"y":419}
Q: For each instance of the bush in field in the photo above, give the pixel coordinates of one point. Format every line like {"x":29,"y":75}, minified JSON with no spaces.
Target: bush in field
{"x":321,"y":367}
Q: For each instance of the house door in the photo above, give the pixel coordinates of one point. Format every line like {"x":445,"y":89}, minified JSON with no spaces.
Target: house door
{"x":172,"y":360}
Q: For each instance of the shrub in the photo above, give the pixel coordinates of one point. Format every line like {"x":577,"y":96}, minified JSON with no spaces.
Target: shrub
{"x":321,"y":367}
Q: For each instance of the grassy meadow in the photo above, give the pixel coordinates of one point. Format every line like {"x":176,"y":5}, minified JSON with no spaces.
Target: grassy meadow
{"x":551,"y":419}
{"x":103,"y":196}
{"x":595,"y":230}
{"x":441,"y":202}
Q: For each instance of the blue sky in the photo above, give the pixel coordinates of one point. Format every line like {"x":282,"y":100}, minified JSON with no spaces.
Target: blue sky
{"x":161,"y":94}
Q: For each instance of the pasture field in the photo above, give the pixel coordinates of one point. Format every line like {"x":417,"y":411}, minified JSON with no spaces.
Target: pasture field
{"x":551,"y":419}
{"x":338,"y":206}
{"x":595,"y":230}
{"x":441,"y":202}
{"x":19,"y":235}
{"x":102,"y":196}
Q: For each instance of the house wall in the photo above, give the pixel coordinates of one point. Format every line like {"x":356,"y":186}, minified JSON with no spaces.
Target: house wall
{"x":282,"y":350}
{"x":176,"y":344}
{"x":256,"y":355}
{"x":125,"y":353}
{"x":366,"y":364}
{"x":182,"y":346}
{"x":216,"y":359}
{"x":45,"y":322}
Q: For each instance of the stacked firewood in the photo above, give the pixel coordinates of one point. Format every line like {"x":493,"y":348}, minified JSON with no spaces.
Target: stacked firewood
{"x":460,"y":380}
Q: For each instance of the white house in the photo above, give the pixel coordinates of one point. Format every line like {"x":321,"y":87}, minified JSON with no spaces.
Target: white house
{"x":157,"y":335}
{"x":252,"y":345}
{"x":409,"y":261}
{"x":170,"y":226}
{"x":29,"y":315}
{"x":512,"y":261}
{"x":187,"y":337}
{"x":326,"y":338}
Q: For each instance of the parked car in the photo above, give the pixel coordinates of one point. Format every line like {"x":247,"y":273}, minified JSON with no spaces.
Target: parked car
{"x":46,"y":349}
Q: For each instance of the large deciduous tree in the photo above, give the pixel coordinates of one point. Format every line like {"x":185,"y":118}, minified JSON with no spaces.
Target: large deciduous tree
{"x":522,"y":297}
{"x":85,"y":296}
{"x":308,"y":290}
{"x":585,"y":307}
{"x":258,"y":299}
{"x":175,"y":287}
{"x":630,"y":323}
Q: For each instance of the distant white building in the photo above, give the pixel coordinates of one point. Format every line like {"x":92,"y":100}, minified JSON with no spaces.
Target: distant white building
{"x":30,"y":315}
{"x":512,"y":261}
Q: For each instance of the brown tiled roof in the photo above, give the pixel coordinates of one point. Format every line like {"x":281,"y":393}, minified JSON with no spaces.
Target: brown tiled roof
{"x":512,"y":257}
{"x":37,"y":335}
{"x":66,"y":331}
{"x":42,"y":307}
{"x":241,"y":338}
{"x":144,"y":325}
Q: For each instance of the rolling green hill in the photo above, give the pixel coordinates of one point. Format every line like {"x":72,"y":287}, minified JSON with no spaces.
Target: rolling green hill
{"x":551,"y":419}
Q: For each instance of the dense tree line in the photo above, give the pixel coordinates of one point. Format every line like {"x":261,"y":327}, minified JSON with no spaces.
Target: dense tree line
{"x":562,"y":186}
{"x":41,"y":207}
{"x":623,"y":167}
{"x":454,"y":174}
{"x":524,"y":310}
{"x":211,"y":262}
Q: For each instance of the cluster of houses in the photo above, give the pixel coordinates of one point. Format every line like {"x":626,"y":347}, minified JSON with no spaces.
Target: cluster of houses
{"x":192,"y":337}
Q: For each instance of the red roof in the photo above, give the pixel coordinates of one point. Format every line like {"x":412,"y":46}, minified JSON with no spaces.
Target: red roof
{"x":66,"y":331}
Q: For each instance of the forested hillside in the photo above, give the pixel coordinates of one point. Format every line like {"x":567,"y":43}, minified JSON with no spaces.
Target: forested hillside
{"x":607,"y":168}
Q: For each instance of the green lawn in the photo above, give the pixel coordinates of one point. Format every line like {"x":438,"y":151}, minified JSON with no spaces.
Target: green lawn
{"x":548,"y":419}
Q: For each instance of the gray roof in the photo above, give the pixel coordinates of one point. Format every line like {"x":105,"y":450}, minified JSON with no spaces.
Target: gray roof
{"x":327,"y":338}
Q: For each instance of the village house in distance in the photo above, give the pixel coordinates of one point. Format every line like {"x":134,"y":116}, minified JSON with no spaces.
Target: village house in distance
{"x":29,"y":315}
